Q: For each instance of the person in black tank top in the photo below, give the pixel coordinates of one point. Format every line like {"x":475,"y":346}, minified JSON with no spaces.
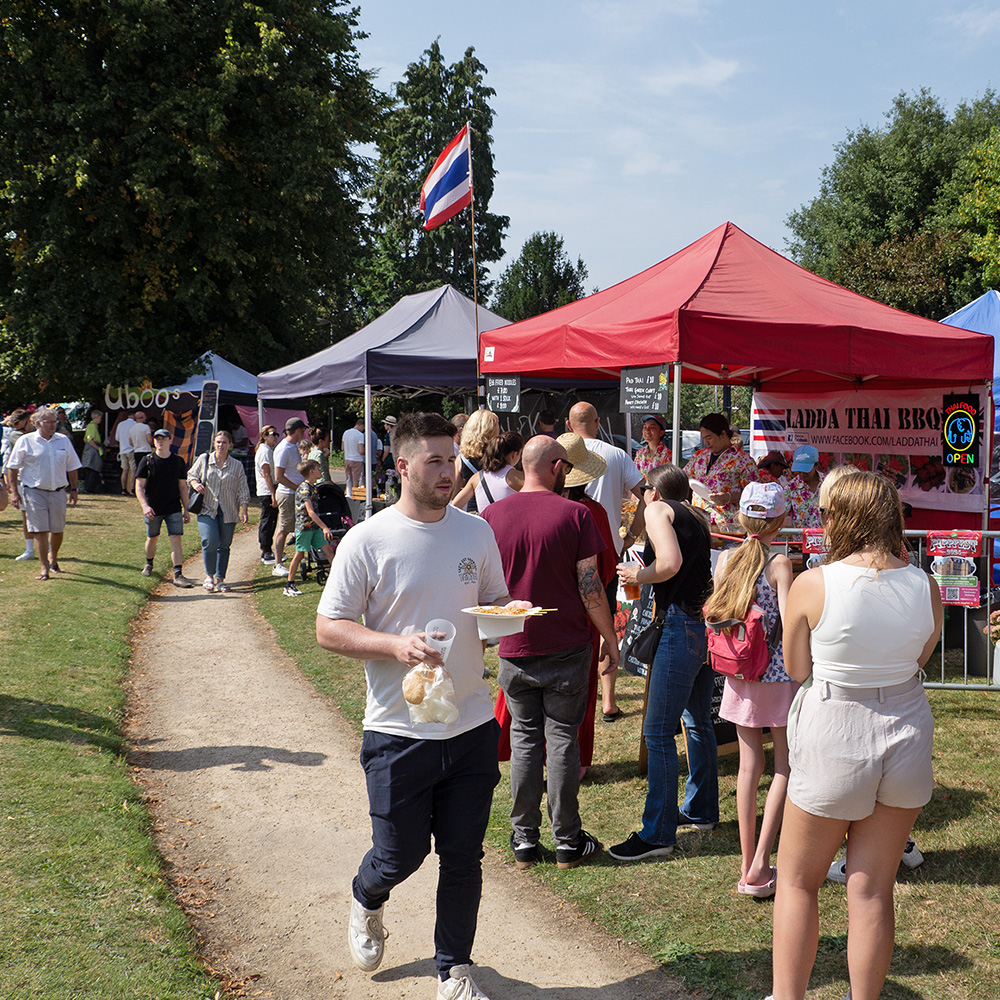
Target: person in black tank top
{"x":679,"y":567}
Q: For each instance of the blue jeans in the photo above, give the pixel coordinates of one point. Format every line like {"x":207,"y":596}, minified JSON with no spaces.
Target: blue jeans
{"x":421,"y":787}
{"x":680,"y":685}
{"x":216,"y":537}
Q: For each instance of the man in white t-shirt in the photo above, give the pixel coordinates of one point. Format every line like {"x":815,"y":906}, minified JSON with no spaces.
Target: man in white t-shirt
{"x":141,"y":437}
{"x":287,"y":478}
{"x":418,"y":560}
{"x":353,"y":445}
{"x":126,"y":454}
{"x":621,"y":479}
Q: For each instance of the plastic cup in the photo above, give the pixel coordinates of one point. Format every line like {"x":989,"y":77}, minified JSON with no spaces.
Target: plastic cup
{"x":439,"y":634}
{"x":631,"y":589}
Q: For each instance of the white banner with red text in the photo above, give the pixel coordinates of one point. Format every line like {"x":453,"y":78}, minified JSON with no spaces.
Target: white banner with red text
{"x":899,"y":433}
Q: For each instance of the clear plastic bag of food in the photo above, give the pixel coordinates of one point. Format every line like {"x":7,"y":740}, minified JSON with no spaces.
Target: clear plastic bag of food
{"x":430,"y":695}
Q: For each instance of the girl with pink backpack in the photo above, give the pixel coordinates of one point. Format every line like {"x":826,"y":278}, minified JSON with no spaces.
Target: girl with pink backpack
{"x":751,"y":583}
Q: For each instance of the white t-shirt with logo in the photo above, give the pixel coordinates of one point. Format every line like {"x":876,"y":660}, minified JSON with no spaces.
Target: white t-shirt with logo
{"x":352,"y":438}
{"x":286,"y":458}
{"x":399,"y":574}
{"x":616,"y":484}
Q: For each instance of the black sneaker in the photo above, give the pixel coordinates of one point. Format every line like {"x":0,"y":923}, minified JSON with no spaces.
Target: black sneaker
{"x":684,"y":822}
{"x":526,"y":855}
{"x":635,"y":849}
{"x":587,"y":846}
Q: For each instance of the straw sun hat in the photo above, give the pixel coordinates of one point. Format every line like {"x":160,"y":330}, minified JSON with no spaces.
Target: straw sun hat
{"x":587,"y":465}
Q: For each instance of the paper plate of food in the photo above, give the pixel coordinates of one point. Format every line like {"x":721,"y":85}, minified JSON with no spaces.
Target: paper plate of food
{"x":700,"y":490}
{"x":495,"y":622}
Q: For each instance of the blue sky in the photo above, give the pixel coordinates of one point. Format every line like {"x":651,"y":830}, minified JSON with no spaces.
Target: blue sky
{"x":632,"y":127}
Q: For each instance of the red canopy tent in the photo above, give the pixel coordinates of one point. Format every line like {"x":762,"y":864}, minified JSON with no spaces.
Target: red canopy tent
{"x":730,"y":310}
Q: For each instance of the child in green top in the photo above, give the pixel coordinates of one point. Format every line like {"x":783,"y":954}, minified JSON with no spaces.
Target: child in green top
{"x":310,"y":531}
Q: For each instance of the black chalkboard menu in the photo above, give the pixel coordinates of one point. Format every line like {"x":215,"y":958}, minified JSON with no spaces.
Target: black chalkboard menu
{"x":503,"y":393}
{"x":645,"y":389}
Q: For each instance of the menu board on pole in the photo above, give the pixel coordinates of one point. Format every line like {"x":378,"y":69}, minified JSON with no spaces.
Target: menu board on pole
{"x":645,"y":390}
{"x":503,"y":393}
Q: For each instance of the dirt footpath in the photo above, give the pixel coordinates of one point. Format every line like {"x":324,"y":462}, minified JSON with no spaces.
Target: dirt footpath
{"x":260,"y":808}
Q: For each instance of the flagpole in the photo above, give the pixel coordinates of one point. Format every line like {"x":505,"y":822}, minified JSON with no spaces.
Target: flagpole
{"x":480,"y":387}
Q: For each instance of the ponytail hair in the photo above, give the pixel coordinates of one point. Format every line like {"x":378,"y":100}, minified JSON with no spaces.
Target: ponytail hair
{"x":735,"y":592}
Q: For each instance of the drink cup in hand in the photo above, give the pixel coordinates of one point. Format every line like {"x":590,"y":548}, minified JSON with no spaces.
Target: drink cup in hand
{"x":631,"y":589}
{"x":439,"y":634}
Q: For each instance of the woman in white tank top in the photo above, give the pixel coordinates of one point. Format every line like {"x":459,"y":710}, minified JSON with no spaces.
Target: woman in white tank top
{"x":498,"y":477}
{"x":858,"y":630}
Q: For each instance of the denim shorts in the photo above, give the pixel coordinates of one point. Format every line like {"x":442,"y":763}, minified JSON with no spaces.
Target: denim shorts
{"x":174,"y":523}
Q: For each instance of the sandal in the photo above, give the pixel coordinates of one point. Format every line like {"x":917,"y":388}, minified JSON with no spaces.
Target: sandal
{"x":209,"y":584}
{"x":613,"y":716}
{"x":765,"y":891}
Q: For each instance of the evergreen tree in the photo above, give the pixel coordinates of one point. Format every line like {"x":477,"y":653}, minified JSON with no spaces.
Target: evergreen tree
{"x":542,"y":278}
{"x":430,"y":106}
{"x":178,"y":177}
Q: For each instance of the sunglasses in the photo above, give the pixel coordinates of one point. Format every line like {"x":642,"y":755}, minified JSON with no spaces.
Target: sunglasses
{"x":566,"y":464}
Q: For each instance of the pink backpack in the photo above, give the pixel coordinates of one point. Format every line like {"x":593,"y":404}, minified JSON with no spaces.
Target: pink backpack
{"x":747,"y":648}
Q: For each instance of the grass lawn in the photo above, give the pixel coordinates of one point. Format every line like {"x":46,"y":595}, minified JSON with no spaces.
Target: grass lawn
{"x":685,"y":911}
{"x":84,"y":909}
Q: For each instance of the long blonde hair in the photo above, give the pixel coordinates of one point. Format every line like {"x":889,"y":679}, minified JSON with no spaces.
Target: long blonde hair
{"x":834,"y":475}
{"x":735,"y":592}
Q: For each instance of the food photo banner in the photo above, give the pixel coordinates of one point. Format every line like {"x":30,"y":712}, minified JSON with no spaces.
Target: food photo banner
{"x":899,"y":433}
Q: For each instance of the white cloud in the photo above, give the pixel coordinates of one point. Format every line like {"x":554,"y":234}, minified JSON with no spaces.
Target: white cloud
{"x":975,"y":22}
{"x":630,"y":13}
{"x":708,"y":74}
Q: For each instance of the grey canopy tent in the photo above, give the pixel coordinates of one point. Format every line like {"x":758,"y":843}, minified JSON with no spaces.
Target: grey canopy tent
{"x":425,"y":343}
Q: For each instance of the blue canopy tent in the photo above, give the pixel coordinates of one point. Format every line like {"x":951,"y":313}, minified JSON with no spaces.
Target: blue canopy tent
{"x":983,"y":316}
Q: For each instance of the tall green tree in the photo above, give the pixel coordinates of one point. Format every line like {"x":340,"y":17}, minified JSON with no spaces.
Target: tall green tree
{"x":430,"y":105}
{"x":542,"y":278}
{"x":178,"y":176}
{"x":980,"y":206}
{"x":886,"y":222}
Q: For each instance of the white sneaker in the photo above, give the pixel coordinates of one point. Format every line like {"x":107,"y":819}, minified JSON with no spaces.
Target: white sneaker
{"x":25,"y":557}
{"x":838,"y":871}
{"x":279,"y":570}
{"x":366,"y":936}
{"x":912,"y":857}
{"x":460,"y":985}
{"x":268,"y":560}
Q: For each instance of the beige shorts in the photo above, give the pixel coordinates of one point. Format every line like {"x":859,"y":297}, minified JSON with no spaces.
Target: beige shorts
{"x":127,"y":460}
{"x":286,"y":512}
{"x":846,"y":754}
{"x":44,"y":510}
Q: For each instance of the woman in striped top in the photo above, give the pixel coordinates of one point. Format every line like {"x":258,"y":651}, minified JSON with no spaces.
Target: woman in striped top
{"x":221,"y":480}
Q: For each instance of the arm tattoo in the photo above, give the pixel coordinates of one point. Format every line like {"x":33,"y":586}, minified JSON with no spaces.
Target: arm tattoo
{"x":588,"y":583}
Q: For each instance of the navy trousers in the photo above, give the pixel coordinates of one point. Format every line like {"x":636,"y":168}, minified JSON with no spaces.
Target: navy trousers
{"x":420,"y":788}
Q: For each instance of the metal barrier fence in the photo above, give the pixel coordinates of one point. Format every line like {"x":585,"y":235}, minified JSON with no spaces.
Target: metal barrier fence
{"x":965,"y":660}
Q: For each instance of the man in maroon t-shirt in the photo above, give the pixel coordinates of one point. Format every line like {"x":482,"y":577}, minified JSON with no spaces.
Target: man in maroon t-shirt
{"x":549,"y":547}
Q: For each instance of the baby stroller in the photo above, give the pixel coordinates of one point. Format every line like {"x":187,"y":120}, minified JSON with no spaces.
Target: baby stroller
{"x":331,"y":506}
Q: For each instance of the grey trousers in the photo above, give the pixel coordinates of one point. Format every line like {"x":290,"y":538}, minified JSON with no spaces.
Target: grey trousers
{"x":547,"y":698}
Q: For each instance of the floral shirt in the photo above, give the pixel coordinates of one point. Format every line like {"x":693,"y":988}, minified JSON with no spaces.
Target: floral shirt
{"x":646,"y":461}
{"x":804,"y":503}
{"x":730,"y":473}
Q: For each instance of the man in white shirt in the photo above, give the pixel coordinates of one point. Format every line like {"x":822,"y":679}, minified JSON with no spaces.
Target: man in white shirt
{"x":42,"y":464}
{"x":353,"y":445}
{"x":141,"y":437}
{"x":621,"y":479}
{"x":126,"y":452}
{"x":415,"y":561}
{"x":287,"y":477}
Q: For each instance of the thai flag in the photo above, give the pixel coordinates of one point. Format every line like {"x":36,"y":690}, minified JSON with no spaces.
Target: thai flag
{"x":448,"y":188}
{"x":768,"y":430}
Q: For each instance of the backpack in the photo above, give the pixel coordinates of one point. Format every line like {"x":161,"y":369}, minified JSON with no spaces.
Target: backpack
{"x":746,"y":651}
